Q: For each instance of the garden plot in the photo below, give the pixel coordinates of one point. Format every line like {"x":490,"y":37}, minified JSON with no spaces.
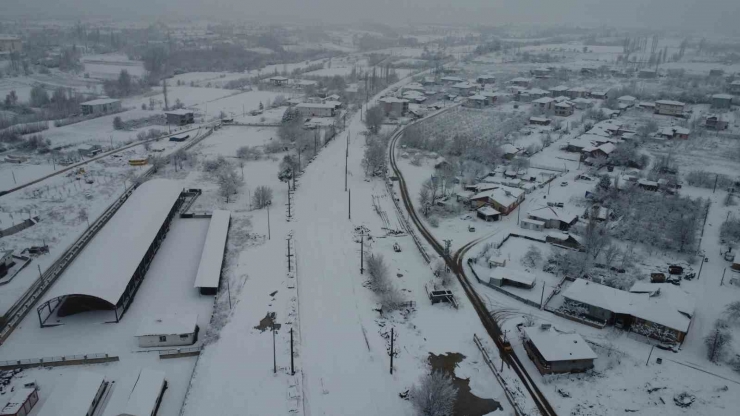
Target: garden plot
{"x":96,"y":131}
{"x":239,"y":104}
{"x":189,"y":96}
{"x":228,"y":140}
{"x":167,"y":288}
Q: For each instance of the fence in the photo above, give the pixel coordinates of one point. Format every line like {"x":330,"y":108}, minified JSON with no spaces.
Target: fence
{"x":179,"y":352}
{"x":58,"y":361}
{"x":19,"y":227}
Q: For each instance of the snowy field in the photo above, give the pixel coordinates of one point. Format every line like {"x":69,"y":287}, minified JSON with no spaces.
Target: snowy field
{"x":228,"y":140}
{"x":167,"y":288}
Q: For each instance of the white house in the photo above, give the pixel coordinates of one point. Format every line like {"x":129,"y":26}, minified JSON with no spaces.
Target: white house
{"x":100,"y":106}
{"x":316,"y":109}
{"x":626,"y":101}
{"x":171,"y":330}
{"x":669,"y":107}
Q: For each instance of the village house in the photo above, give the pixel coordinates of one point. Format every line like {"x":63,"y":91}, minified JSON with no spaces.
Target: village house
{"x":556,"y":352}
{"x":485,"y":79}
{"x":713,"y":122}
{"x":735,"y":87}
{"x":530,"y":224}
{"x":451,"y":80}
{"x":167,"y":331}
{"x":722,"y":101}
{"x":316,"y":109}
{"x":509,"y":150}
{"x":503,"y":199}
{"x":521,"y":82}
{"x":394,"y":107}
{"x":180,"y":117}
{"x":601,"y":151}
{"x":554,"y":217}
{"x":563,"y":109}
{"x":674,"y":133}
{"x":601,"y":95}
{"x":488,"y":214}
{"x":648,"y":185}
{"x":504,"y":276}
{"x":20,"y":402}
{"x":414,"y":96}
{"x":558,"y":91}
{"x":582,"y":103}
{"x":491,"y":96}
{"x":544,"y":103}
{"x":10,"y":44}
{"x":626,"y":101}
{"x":669,"y":107}
{"x":100,"y":106}
{"x":89,"y":150}
{"x":464,"y":88}
{"x":647,"y":105}
{"x":476,"y":101}
{"x":656,"y":310}
{"x":577,"y":92}
{"x":278,"y":81}
{"x":539,"y":121}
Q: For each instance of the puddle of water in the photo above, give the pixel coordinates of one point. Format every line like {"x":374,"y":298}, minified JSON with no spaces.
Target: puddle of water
{"x":467,"y":403}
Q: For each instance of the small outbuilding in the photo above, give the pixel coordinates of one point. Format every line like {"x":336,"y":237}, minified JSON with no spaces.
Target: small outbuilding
{"x":555,"y":352}
{"x":488,"y":214}
{"x":713,"y":122}
{"x":278,"y":81}
{"x":504,"y":276}
{"x":89,"y":150}
{"x":530,"y":224}
{"x":20,"y":402}
{"x":100,"y":106}
{"x":167,"y":331}
{"x":722,"y":101}
{"x":539,"y":121}
{"x":180,"y":117}
{"x":78,"y":397}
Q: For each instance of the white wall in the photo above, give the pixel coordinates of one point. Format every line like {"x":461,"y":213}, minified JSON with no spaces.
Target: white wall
{"x":170,"y":340}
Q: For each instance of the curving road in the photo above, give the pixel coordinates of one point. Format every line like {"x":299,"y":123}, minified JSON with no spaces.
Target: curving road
{"x":456,"y":264}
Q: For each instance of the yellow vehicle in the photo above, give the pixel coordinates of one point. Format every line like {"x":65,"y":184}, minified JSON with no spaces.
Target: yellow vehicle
{"x":138,"y":162}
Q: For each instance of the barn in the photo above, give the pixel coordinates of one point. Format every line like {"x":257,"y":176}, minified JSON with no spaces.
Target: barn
{"x":106,"y":275}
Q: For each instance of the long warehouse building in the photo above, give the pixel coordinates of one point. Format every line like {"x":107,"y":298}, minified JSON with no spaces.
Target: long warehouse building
{"x":110,"y":269}
{"x":209,"y":270}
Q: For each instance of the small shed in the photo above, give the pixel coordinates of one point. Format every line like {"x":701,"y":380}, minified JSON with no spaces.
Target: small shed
{"x":147,"y":394}
{"x":564,"y":240}
{"x":539,"y":121}
{"x":80,"y":397}
{"x":20,"y":402}
{"x":172,"y":330}
{"x":100,"y":106}
{"x":488,"y":214}
{"x":89,"y":150}
{"x":555,"y":352}
{"x":722,"y":101}
{"x":504,"y":276}
{"x":278,"y":81}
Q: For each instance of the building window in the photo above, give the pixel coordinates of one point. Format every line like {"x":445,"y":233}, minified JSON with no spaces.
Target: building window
{"x":184,"y":336}
{"x":163,"y":338}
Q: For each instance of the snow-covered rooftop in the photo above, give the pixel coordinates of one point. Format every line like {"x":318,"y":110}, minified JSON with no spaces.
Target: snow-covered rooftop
{"x":543,"y":100}
{"x":392,"y":100}
{"x":539,"y":119}
{"x":514,"y":275}
{"x":143,"y":399}
{"x":559,"y":88}
{"x":722,"y":96}
{"x":172,"y":324}
{"x":316,"y":105}
{"x":16,"y":401}
{"x":488,"y":211}
{"x":604,"y":297}
{"x":179,"y":112}
{"x":101,"y":101}
{"x":477,"y":97}
{"x":72,"y":399}
{"x":557,"y":346}
{"x":509,"y":148}
{"x":626,"y":98}
{"x":670,"y":102}
{"x":106,"y":265}
{"x":547,"y":213}
{"x":209,"y":269}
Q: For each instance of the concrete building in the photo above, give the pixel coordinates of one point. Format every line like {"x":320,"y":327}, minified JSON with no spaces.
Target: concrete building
{"x":669,"y":107}
{"x":554,"y":352}
{"x":722,"y":101}
{"x":476,"y":101}
{"x":539,"y":121}
{"x":394,"y":107}
{"x":558,"y":91}
{"x":180,"y":117}
{"x":521,"y":82}
{"x":563,"y":109}
{"x":100,"y":106}
{"x":168,"y":331}
{"x":10,"y":44}
{"x":464,"y":89}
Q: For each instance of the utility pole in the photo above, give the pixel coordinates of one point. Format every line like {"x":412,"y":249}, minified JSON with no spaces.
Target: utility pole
{"x":392,"y":351}
{"x":349,"y":204}
{"x":274,"y":357}
{"x":292,"y":368}
{"x":649,"y":355}
{"x":268,"y":222}
{"x":542,"y":297}
{"x":289,"y":255}
{"x":362,"y":253}
{"x":228,"y":289}
{"x":716,"y":177}
{"x":723,"y":277}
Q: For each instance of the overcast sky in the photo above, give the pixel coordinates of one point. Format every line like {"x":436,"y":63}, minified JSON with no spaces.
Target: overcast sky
{"x":704,"y":15}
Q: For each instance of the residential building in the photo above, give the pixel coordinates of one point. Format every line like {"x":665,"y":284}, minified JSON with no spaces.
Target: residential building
{"x":602,"y":151}
{"x":544,"y":103}
{"x":464,"y":88}
{"x":521,"y":82}
{"x":563,"y":109}
{"x":476,"y":101}
{"x":488,"y":214}
{"x":504,"y":276}
{"x":563,"y":239}
{"x":278,"y":81}
{"x":558,"y":91}
{"x":509,"y":150}
{"x":100,"y":106}
{"x":167,"y":331}
{"x":577,"y":92}
{"x":503,"y":199}
{"x":486,"y":79}
{"x":669,"y":107}
{"x":647,"y":105}
{"x":534,"y":225}
{"x":735,"y":87}
{"x":656,"y":310}
{"x":626,"y":101}
{"x":6,"y":262}
{"x":10,"y":44}
{"x":316,"y":109}
{"x":674,"y":133}
{"x":554,"y":217}
{"x":601,"y":95}
{"x":555,"y":352}
{"x":713,"y":122}
{"x":451,"y":80}
{"x":89,"y":150}
{"x":582,"y":103}
{"x":180,"y":117}
{"x":394,"y":107}
{"x":541,"y":72}
{"x":540,"y":121}
{"x":722,"y":101}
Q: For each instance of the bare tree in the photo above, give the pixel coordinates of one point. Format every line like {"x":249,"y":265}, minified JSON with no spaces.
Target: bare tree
{"x":228,"y":182}
{"x":595,"y":238}
{"x":82,"y":215}
{"x":717,"y":341}
{"x":532,"y":256}
{"x":732,"y":311}
{"x":248,"y":153}
{"x":375,"y":161}
{"x":435,"y":395}
{"x":378,"y":272}
{"x":262,"y":197}
{"x":425,"y":200}
{"x":374,"y":119}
